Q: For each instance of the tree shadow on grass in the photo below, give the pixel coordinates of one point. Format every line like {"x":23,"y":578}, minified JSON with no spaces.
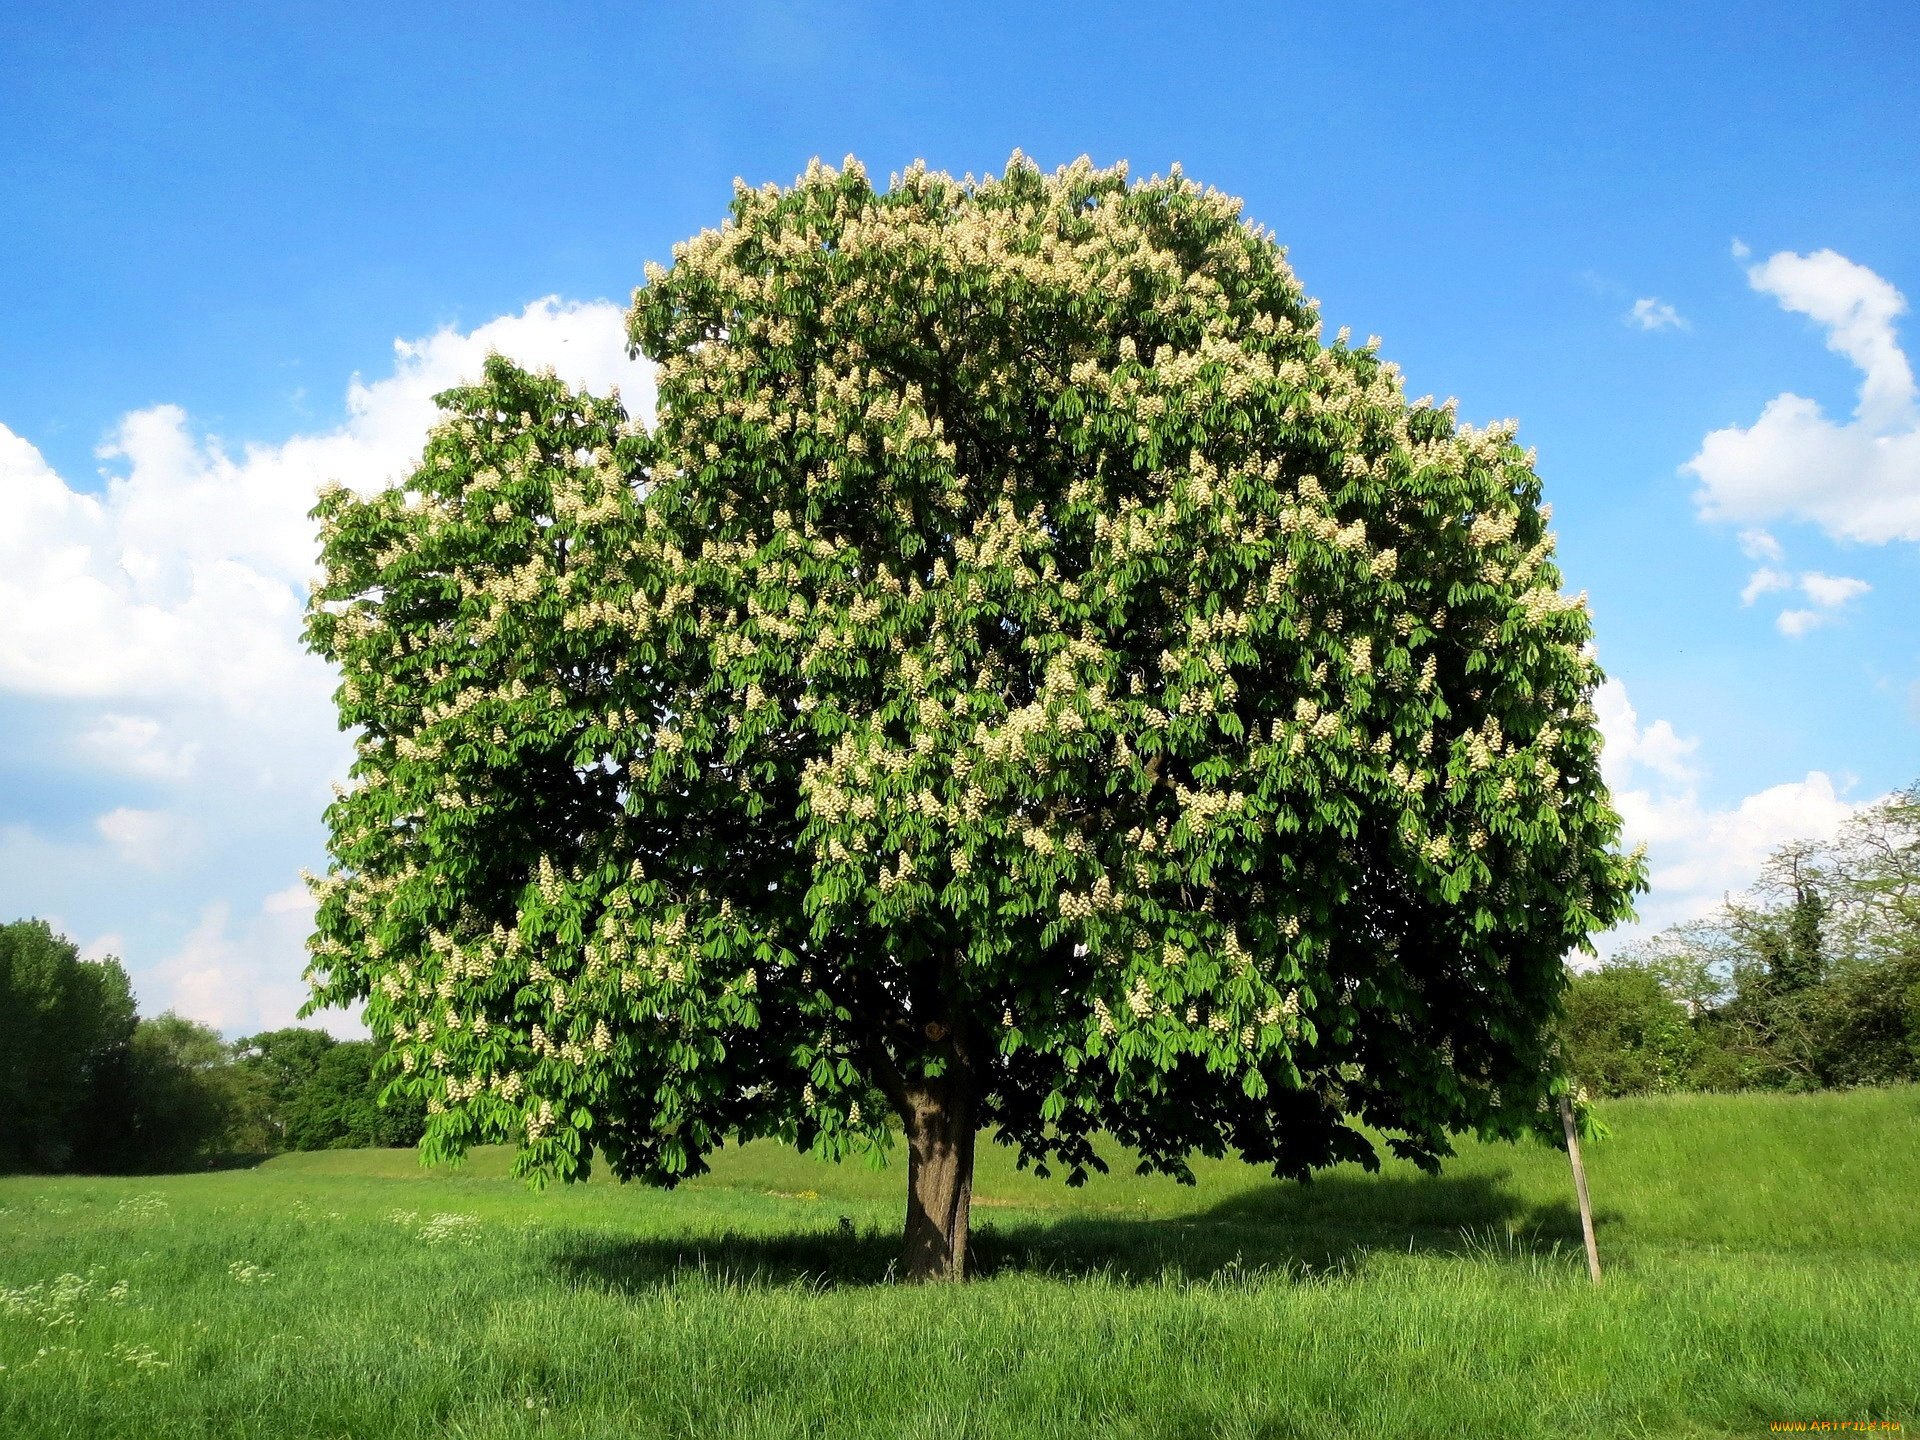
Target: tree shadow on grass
{"x":1275,"y":1229}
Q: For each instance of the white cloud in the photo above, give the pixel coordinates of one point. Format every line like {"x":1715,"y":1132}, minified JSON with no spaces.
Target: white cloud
{"x":1652,"y":314}
{"x":137,"y":745}
{"x":1858,"y":480}
{"x":1831,"y":591}
{"x":187,"y":577}
{"x":1632,"y":748}
{"x":1764,"y":581}
{"x":1857,"y":309}
{"x":148,"y":839}
{"x":1697,"y":854}
{"x":150,"y":637}
{"x":1828,"y":592}
{"x":244,"y":977}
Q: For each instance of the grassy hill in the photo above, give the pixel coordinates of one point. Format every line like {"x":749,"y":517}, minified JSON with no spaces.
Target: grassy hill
{"x":1763,"y":1259}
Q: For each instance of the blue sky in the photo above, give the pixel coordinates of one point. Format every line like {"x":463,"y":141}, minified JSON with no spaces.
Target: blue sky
{"x":216,"y":217}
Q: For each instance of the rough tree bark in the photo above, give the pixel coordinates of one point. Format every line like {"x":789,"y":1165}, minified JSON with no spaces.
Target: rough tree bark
{"x":939,"y":1138}
{"x":938,"y":1113}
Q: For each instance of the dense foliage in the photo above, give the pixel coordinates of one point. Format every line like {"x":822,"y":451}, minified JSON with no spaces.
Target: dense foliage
{"x":301,"y":1089}
{"x":1811,"y":982}
{"x":87,"y":1085}
{"x":341,"y":1105}
{"x":272,"y":1070}
{"x":1625,"y":1034}
{"x":180,"y":1099}
{"x":66,"y":1031}
{"x":1026,"y":679}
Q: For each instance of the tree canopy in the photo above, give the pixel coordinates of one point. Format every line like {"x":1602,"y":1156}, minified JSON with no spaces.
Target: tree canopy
{"x":1025,"y":678}
{"x":274,"y":1069}
{"x":66,"y":1025}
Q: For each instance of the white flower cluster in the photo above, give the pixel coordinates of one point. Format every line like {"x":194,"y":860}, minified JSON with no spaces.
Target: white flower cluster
{"x":57,"y":1303}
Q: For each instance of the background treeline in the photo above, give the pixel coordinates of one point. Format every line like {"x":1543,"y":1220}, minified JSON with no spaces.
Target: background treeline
{"x":1812,"y":982}
{"x":88,"y":1084}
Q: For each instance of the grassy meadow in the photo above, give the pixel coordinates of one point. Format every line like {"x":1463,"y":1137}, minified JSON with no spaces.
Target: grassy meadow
{"x":1763,"y":1258}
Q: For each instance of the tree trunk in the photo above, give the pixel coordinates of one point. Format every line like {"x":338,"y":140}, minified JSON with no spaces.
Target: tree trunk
{"x":939,"y":1180}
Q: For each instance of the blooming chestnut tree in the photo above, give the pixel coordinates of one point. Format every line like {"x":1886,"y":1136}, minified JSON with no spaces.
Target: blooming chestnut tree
{"x":1024,"y":681}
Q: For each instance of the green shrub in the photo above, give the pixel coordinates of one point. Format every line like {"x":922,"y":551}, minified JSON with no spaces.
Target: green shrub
{"x":1625,"y":1035}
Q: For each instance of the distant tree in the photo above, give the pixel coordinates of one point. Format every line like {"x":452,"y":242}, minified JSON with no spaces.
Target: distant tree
{"x":1626,"y":1034}
{"x":1865,"y":1022}
{"x":1866,"y":1016}
{"x":273,"y":1068}
{"x":1782,"y":930}
{"x":1027,"y":679}
{"x":339,"y":1106}
{"x":1802,"y":960}
{"x":86,"y":1085}
{"x":183,"y":1092}
{"x":1871,"y":872}
{"x":65,"y":1027}
{"x":1812,"y":979}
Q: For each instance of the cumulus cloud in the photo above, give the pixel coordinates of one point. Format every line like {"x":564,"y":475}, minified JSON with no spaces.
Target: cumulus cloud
{"x":1857,"y":479}
{"x":1697,"y":853}
{"x":149,"y":839}
{"x":245,"y":975}
{"x":137,"y":745}
{"x":150,"y":645}
{"x":1633,"y":748}
{"x":1831,"y":591}
{"x":188,"y":574}
{"x":1652,"y":314}
{"x":1857,"y":308}
{"x":1829,"y":594}
{"x":1765,"y":581}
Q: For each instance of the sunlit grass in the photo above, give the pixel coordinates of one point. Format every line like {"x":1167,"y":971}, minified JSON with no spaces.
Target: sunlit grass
{"x":1763,"y":1264}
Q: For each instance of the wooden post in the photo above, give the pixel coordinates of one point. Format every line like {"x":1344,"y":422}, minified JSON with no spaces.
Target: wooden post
{"x":1580,"y":1188}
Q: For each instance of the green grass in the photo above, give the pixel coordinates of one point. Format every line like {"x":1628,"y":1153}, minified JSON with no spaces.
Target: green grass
{"x":1763,"y":1265}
